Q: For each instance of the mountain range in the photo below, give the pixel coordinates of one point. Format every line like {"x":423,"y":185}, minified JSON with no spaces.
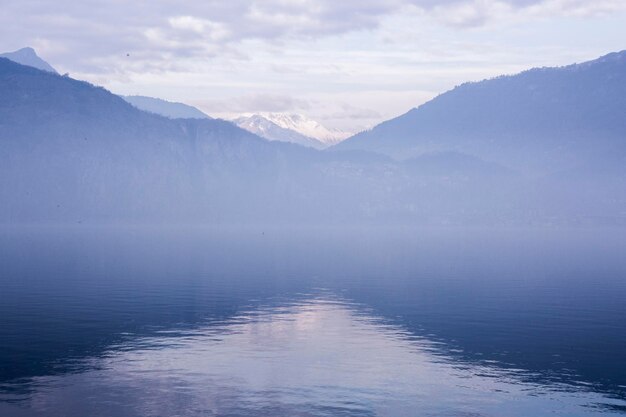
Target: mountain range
{"x":295,"y":128}
{"x":539,"y":121}
{"x":546,"y":145}
{"x":269,"y":130}
{"x":170,"y":109}
{"x":71,"y":150}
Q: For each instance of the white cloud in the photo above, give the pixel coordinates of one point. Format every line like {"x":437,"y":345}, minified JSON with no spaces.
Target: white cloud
{"x":255,"y":103}
{"x":94,"y":29}
{"x":188,"y":23}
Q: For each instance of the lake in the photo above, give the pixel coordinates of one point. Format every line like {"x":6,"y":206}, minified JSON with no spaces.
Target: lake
{"x":253,"y":321}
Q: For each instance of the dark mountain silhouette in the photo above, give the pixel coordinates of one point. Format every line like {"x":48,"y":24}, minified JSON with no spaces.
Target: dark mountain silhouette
{"x":539,"y":121}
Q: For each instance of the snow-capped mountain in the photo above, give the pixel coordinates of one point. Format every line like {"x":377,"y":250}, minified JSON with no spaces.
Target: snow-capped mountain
{"x":28,"y":56}
{"x":294,"y":128}
{"x":307,"y":127}
{"x":269,"y":130}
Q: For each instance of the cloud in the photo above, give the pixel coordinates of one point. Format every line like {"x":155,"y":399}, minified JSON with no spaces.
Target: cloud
{"x":255,"y":103}
{"x":579,"y":8}
{"x":91,"y":32}
{"x":474,"y":13}
{"x":351,"y":112}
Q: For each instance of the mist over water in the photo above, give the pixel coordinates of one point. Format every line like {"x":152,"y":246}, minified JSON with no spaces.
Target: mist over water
{"x":262,"y":321}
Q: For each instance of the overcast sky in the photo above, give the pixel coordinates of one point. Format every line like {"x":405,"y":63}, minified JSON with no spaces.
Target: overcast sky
{"x":347,"y":63}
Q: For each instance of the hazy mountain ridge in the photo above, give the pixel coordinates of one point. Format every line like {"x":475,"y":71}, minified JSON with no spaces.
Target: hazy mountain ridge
{"x":74,"y":152}
{"x":170,"y":109}
{"x":541,"y":120}
{"x":28,"y":56}
{"x":173,"y":110}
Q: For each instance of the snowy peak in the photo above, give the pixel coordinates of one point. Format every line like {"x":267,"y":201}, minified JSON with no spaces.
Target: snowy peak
{"x":294,"y":128}
{"x":270,"y":130}
{"x":307,"y":127}
{"x":28,"y":56}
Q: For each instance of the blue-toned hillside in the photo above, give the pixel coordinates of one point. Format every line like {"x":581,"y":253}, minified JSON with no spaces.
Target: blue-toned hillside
{"x":542,"y":120}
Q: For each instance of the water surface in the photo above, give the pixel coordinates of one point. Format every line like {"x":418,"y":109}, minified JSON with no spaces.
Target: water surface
{"x":271,"y":322}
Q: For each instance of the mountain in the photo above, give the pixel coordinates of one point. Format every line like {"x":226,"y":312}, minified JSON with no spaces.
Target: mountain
{"x":166,"y":108}
{"x":28,"y":56}
{"x":297,"y":123}
{"x":72,"y":152}
{"x":452,"y":164}
{"x":267,"y":129}
{"x":307,"y":127}
{"x":539,"y":121}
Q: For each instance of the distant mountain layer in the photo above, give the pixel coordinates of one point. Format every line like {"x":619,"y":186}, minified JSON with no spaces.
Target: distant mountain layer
{"x":28,"y":56}
{"x":267,"y":129}
{"x":166,"y":108}
{"x":541,"y":120}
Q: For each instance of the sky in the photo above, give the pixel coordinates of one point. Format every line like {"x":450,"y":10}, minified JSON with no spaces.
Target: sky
{"x":348,"y":63}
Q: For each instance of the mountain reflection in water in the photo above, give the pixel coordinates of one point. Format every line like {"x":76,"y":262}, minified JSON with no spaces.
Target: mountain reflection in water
{"x":178,"y":328}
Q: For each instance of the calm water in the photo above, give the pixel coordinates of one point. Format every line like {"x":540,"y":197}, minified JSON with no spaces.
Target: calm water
{"x":254,"y":322}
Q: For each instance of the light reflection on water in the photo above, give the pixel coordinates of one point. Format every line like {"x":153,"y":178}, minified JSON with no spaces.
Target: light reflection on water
{"x":322,"y":356}
{"x":202,"y":322}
